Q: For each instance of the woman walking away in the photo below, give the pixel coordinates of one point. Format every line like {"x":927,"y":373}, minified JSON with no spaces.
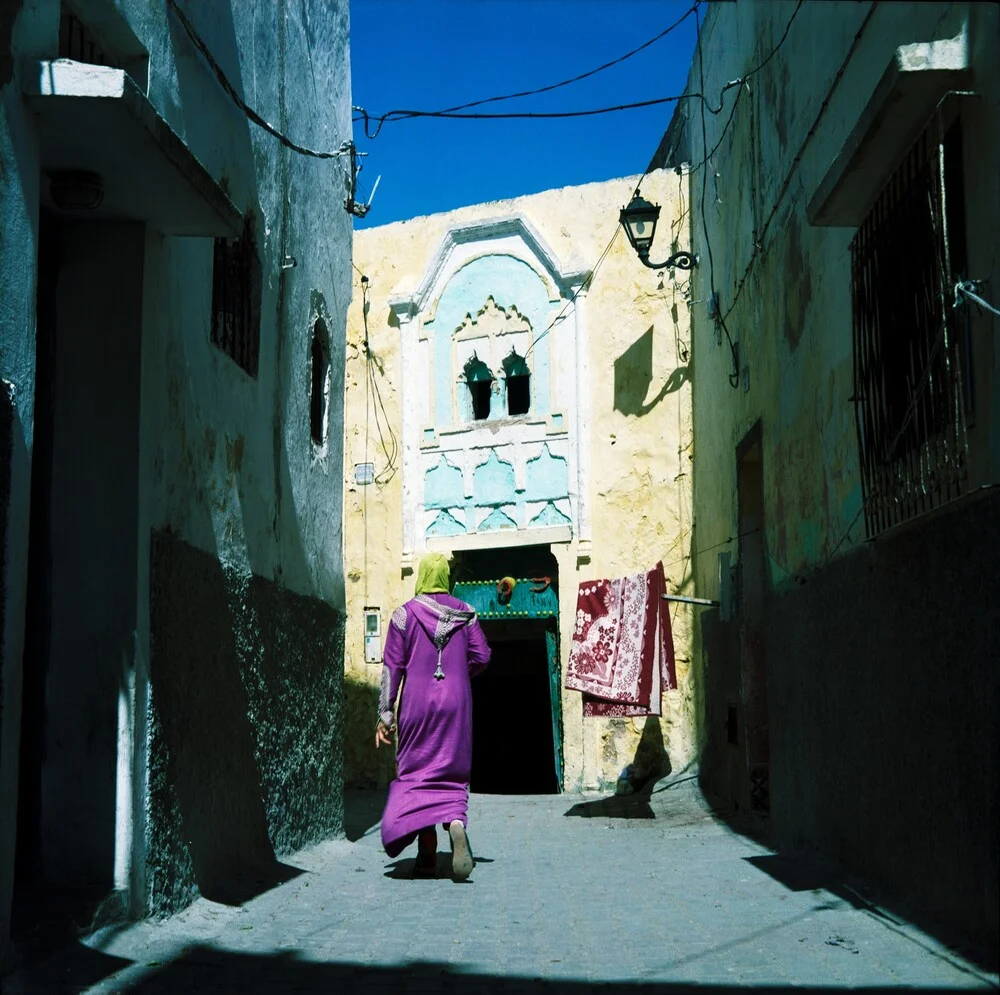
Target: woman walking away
{"x":433,"y":648}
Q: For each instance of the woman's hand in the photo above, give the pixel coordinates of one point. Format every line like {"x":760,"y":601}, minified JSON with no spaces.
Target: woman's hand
{"x":383,"y":735}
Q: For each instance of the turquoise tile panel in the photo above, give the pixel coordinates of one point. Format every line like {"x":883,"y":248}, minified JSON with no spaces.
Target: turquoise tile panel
{"x":546,"y":477}
{"x":493,"y":482}
{"x":497,"y":520}
{"x":446,"y":524}
{"x":549,"y":515}
{"x":443,"y":487}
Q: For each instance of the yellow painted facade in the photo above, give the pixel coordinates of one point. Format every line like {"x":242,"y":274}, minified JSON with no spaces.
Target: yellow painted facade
{"x":634,"y":463}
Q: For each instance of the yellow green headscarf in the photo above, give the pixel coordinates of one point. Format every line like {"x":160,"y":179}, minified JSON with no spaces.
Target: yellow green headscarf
{"x":432,"y":575}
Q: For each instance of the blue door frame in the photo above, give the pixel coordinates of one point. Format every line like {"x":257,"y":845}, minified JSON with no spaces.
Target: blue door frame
{"x":526,"y":602}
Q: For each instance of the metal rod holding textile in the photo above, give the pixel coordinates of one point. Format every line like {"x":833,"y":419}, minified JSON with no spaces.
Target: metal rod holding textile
{"x":691,"y":601}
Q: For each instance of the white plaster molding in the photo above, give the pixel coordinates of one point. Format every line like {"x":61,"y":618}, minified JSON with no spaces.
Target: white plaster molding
{"x":580,"y":452}
{"x":410,"y":404}
{"x":478,"y":235}
{"x":503,"y":537}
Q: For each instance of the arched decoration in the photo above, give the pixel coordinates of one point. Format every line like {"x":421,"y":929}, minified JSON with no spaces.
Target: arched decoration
{"x":489,"y":306}
{"x":549,"y":515}
{"x":493,"y":482}
{"x":446,"y":524}
{"x":443,"y":486}
{"x":546,"y":477}
{"x":517,"y":384}
{"x":496,"y":520}
{"x":487,"y":335}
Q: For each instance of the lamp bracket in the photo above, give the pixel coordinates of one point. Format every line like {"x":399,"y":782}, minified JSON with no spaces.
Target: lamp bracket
{"x":680,"y":260}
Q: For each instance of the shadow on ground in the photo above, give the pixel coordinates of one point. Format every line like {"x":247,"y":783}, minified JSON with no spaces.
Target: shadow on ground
{"x":235,"y":889}
{"x":809,"y":870}
{"x":362,"y":811}
{"x":204,"y":969}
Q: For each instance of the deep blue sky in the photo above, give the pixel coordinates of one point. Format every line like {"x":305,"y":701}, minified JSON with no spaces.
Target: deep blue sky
{"x":433,"y":54}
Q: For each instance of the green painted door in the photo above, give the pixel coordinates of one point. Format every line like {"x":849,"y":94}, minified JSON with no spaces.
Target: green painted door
{"x":555,"y":692}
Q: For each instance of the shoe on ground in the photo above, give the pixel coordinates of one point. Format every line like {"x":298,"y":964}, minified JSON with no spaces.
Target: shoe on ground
{"x":425,"y":866}
{"x":461,"y":854}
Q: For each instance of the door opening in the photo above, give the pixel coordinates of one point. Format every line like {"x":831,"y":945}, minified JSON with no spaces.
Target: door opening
{"x":80,"y":614}
{"x":752,"y":581}
{"x":512,"y":728}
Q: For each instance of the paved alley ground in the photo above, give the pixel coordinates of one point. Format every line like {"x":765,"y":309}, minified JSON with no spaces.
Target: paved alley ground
{"x":570,"y":893}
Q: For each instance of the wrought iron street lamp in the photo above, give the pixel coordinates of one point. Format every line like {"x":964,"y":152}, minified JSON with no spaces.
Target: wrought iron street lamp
{"x":639,"y":221}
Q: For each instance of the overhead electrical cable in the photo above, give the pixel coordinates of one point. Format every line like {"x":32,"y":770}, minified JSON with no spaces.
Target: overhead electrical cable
{"x":345,"y":149}
{"x":582,"y":76}
{"x":758,"y":244}
{"x":509,"y":115}
{"x":579,"y":290}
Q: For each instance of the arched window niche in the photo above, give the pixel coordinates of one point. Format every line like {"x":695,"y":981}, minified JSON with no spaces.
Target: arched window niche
{"x":479,"y":379}
{"x":319,"y":392}
{"x":517,"y":381}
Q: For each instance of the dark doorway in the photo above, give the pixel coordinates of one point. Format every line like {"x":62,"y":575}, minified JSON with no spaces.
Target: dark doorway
{"x":752,"y":582}
{"x":512,"y":748}
{"x":80,"y":614}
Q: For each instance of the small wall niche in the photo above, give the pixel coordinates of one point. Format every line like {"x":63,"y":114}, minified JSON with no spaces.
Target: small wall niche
{"x":319,"y":392}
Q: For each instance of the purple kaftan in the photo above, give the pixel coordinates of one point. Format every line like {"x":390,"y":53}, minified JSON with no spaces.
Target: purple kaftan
{"x":434,"y":747}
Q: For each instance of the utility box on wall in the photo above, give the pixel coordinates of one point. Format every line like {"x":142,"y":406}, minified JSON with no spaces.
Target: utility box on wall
{"x":373,"y":635}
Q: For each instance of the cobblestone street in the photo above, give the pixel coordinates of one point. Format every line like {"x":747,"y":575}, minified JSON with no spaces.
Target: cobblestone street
{"x":569,"y":893}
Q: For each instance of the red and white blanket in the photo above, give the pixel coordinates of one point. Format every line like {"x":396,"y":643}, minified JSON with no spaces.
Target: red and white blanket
{"x":622,"y":655}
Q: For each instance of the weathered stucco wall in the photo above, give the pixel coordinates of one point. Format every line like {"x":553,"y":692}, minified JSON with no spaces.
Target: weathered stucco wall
{"x":874,"y":693}
{"x":792,"y":318}
{"x":252,"y":769}
{"x":18,"y":222}
{"x":226,"y":467}
{"x":232,"y":469}
{"x":635,"y":439}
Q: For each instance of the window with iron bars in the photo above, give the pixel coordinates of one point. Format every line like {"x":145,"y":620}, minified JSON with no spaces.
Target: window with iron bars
{"x":911,"y":351}
{"x":236,"y":299}
{"x":77,"y":43}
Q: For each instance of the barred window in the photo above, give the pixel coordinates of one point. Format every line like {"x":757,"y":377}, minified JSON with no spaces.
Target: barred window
{"x":911,"y":361}
{"x":236,"y":299}
{"x":76,"y":42}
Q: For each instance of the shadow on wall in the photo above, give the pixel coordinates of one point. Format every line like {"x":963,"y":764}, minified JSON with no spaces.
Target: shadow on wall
{"x":364,"y":766}
{"x":245,"y":751}
{"x":8,"y":415}
{"x":634,"y":378}
{"x":632,"y":794}
{"x":246,"y":676}
{"x":211,"y":774}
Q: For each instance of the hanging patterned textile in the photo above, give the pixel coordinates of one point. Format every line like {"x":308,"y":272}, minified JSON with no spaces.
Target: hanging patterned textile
{"x":622,"y":655}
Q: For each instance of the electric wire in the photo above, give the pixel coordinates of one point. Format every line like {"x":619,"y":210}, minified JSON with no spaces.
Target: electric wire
{"x":582,"y":76}
{"x":196,"y":39}
{"x":734,"y":377}
{"x":722,"y":135}
{"x":967,"y":288}
{"x":364,"y":486}
{"x":708,"y":549}
{"x":758,"y":244}
{"x":572,"y":300}
{"x":383,"y":424}
{"x":510,"y":115}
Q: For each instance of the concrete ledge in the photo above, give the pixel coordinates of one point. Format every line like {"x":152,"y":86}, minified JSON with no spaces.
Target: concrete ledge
{"x":95,"y":118}
{"x":916,"y":80}
{"x":502,"y":537}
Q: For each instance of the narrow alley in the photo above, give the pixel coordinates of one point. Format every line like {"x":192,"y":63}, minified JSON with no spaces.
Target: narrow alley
{"x":625,"y":482}
{"x":571,"y":893}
